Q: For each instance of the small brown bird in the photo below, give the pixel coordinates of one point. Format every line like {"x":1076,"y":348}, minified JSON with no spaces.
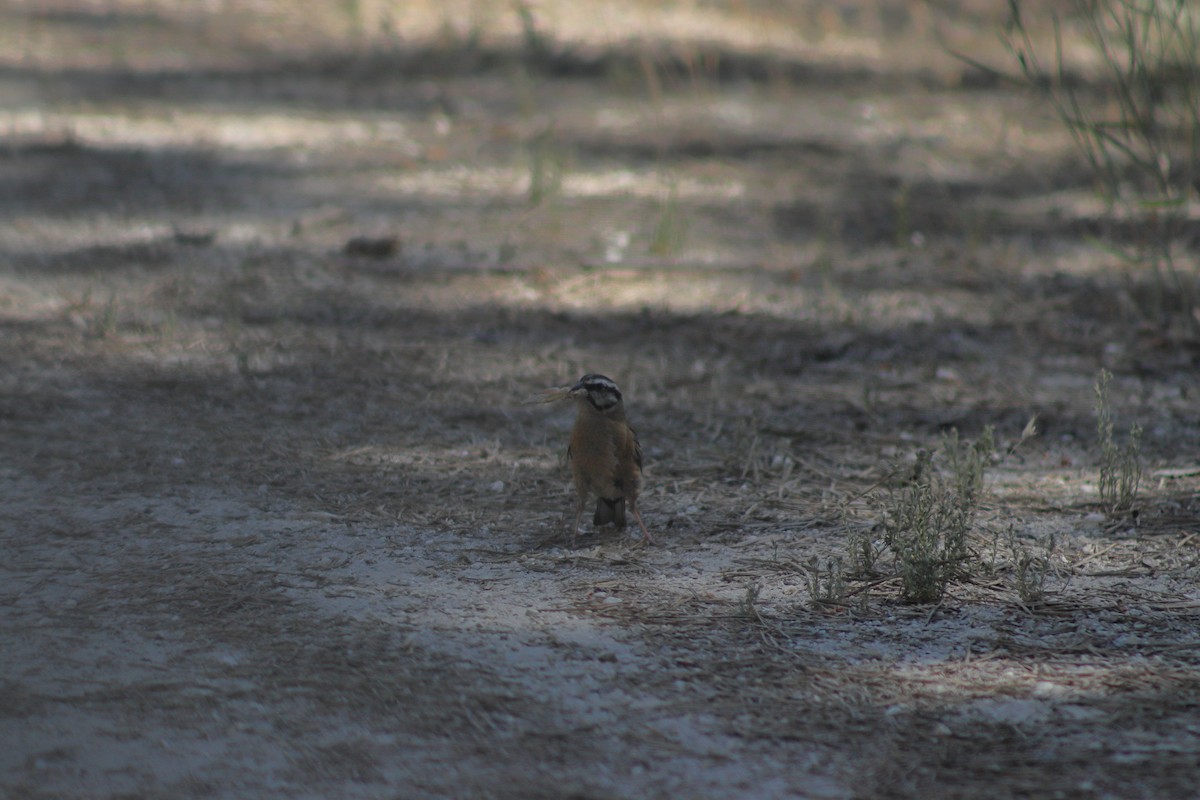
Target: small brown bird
{"x":605,"y":456}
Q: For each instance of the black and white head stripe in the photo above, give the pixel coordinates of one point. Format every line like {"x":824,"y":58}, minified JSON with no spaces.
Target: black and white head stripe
{"x":602,"y":392}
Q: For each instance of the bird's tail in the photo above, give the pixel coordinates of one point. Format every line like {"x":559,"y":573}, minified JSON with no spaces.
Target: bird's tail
{"x":610,"y":510}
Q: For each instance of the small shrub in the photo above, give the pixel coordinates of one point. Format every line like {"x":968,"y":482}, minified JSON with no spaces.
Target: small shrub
{"x":863,"y":551}
{"x":927,"y":521}
{"x":1030,"y":570}
{"x":969,"y":460}
{"x":1120,"y":466}
{"x":826,"y":586}
{"x":748,"y":605}
{"x":924,"y":527}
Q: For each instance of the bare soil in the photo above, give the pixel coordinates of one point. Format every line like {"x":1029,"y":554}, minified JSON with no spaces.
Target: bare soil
{"x":277,"y":520}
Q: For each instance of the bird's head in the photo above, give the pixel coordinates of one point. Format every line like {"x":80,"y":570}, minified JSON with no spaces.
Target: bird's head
{"x":596,"y":392}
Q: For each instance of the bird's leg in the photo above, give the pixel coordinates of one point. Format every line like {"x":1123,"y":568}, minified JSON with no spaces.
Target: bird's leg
{"x":646,"y":538}
{"x":579,"y":505}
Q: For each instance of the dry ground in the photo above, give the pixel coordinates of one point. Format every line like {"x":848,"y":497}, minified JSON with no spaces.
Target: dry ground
{"x":277,"y":523}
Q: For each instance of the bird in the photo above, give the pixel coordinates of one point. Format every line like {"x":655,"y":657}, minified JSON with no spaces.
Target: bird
{"x":604,"y":454}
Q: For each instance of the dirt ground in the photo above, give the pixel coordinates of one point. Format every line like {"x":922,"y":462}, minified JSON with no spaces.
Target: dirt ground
{"x":277,"y":521}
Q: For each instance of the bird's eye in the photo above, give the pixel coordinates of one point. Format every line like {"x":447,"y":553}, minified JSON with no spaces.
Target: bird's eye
{"x":604,"y":399}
